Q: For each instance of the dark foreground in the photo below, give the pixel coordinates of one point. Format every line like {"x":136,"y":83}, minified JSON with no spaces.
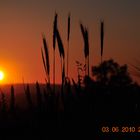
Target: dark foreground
{"x":88,"y":112}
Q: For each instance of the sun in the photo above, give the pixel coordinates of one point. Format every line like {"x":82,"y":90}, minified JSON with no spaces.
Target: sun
{"x":1,"y":75}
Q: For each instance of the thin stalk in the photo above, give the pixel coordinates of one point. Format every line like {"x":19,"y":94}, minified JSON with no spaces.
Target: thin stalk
{"x":68,"y":60}
{"x":101,"y":59}
{"x":88,"y":64}
{"x":102,"y":38}
{"x":85,"y":66}
{"x":61,"y":67}
{"x":68,"y":45}
{"x":54,"y":70}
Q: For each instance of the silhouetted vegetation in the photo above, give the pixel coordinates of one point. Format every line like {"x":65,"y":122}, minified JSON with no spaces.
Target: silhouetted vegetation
{"x":86,"y":48}
{"x":112,"y":74}
{"x":108,"y":97}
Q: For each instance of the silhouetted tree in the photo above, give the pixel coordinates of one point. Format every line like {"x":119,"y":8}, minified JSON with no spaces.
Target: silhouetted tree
{"x":111,"y":73}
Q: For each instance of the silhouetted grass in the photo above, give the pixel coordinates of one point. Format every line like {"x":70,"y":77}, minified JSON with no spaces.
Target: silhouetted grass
{"x":102,"y":38}
{"x":54,"y":44}
{"x":46,"y":59}
{"x":107,"y":97}
{"x":60,"y":45}
{"x":39,"y":96}
{"x":12,"y":100}
{"x":28,"y":97}
{"x":68,"y":45}
{"x":4,"y":104}
{"x":62,"y":57}
{"x":86,"y":47}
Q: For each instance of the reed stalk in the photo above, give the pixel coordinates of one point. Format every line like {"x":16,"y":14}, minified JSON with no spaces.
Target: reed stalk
{"x":68,"y":45}
{"x":54,"y":46}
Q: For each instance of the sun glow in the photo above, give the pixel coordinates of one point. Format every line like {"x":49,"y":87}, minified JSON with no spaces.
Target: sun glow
{"x":1,"y":75}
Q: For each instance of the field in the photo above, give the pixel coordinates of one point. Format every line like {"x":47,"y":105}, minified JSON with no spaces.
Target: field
{"x":74,"y":109}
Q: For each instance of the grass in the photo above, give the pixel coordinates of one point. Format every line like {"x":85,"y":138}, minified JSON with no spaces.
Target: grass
{"x":46,"y":60}
{"x":74,"y":106}
{"x":102,"y":38}
{"x":54,"y":44}
{"x":86,"y":47}
{"x":68,"y":38}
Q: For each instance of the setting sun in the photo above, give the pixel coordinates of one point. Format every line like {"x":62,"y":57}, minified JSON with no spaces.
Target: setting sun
{"x":1,"y":75}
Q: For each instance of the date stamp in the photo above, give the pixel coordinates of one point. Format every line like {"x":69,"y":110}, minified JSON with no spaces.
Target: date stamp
{"x":120,"y":129}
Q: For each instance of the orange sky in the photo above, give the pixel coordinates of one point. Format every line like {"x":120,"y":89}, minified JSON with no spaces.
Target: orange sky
{"x":23,"y":21}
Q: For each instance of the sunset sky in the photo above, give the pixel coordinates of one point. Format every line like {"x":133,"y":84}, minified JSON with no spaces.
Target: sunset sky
{"x":22,"y":23}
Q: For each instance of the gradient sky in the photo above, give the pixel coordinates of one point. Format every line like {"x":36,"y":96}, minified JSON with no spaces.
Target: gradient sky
{"x":23,"y":21}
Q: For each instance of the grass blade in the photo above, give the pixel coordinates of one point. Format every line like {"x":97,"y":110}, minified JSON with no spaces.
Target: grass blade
{"x":102,"y":38}
{"x":84,"y":32}
{"x":60,"y":45}
{"x":46,"y":55}
{"x":47,"y":64}
{"x":68,"y":27}
{"x":85,"y":38}
{"x":12,"y":101}
{"x":43,"y":61}
{"x":54,"y":44}
{"x":68,"y":44}
{"x":54,"y":30}
{"x":28,"y":97}
{"x":39,"y":96}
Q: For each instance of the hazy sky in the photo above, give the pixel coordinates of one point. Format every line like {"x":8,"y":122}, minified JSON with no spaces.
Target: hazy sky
{"x":23,"y":21}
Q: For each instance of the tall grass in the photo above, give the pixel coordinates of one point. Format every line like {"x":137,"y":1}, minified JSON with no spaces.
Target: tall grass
{"x":54,"y":46}
{"x":102,"y":38}
{"x":28,"y":97}
{"x":4,"y":104}
{"x":12,"y":101}
{"x":68,"y":37}
{"x":46,"y":59}
{"x":68,"y":108}
{"x":61,"y":50}
{"x":60,"y":45}
{"x":86,"y":47}
{"x":39,"y":96}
